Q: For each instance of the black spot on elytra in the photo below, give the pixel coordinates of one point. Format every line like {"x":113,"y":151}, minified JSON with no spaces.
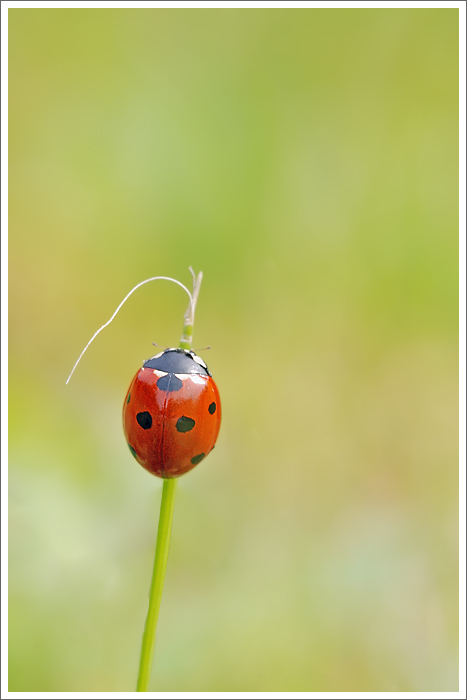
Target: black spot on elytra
{"x":212,"y":408}
{"x":132,"y":450}
{"x":144,"y":419}
{"x":129,"y":397}
{"x":169,"y":382}
{"x":184,"y":424}
{"x":198,"y":458}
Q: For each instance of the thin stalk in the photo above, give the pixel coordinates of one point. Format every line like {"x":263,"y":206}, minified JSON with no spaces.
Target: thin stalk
{"x":157,"y":583}
{"x":165,"y":524}
{"x":189,"y":318}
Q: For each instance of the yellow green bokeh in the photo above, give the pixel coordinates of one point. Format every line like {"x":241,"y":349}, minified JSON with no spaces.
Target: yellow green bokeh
{"x":307,"y":161}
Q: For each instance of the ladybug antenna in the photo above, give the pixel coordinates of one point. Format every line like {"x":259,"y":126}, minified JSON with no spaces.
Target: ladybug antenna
{"x":159,"y":346}
{"x":201,"y":349}
{"x":191,"y":306}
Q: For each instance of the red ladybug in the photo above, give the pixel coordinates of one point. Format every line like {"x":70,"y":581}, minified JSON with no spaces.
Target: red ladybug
{"x":172,"y":413}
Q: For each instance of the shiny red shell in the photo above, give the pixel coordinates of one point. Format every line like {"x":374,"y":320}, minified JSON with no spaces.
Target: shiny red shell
{"x":170,"y":430}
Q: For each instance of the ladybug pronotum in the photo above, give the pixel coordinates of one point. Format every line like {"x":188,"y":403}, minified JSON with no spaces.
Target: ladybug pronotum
{"x":172,"y":413}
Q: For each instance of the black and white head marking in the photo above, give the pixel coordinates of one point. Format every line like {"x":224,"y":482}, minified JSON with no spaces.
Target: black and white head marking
{"x":177,"y":361}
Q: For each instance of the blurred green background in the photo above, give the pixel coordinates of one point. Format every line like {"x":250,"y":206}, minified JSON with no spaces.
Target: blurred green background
{"x":307,"y":162}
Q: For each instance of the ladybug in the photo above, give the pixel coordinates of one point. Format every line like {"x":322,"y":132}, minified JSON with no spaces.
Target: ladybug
{"x":172,"y":413}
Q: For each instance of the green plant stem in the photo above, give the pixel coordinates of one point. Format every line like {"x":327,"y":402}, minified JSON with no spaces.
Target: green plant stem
{"x":164,"y":529}
{"x":185,"y":342}
{"x":157,"y":583}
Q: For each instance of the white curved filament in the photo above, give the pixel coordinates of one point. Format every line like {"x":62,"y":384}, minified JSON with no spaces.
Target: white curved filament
{"x":151,"y":279}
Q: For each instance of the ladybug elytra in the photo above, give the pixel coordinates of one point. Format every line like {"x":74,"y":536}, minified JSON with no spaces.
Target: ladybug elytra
{"x":172,"y":413}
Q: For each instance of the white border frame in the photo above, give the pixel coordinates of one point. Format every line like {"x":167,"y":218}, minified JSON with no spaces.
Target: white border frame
{"x":462,"y":320}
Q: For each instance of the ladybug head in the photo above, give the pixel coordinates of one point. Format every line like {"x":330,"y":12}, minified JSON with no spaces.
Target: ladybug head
{"x":178,"y":361}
